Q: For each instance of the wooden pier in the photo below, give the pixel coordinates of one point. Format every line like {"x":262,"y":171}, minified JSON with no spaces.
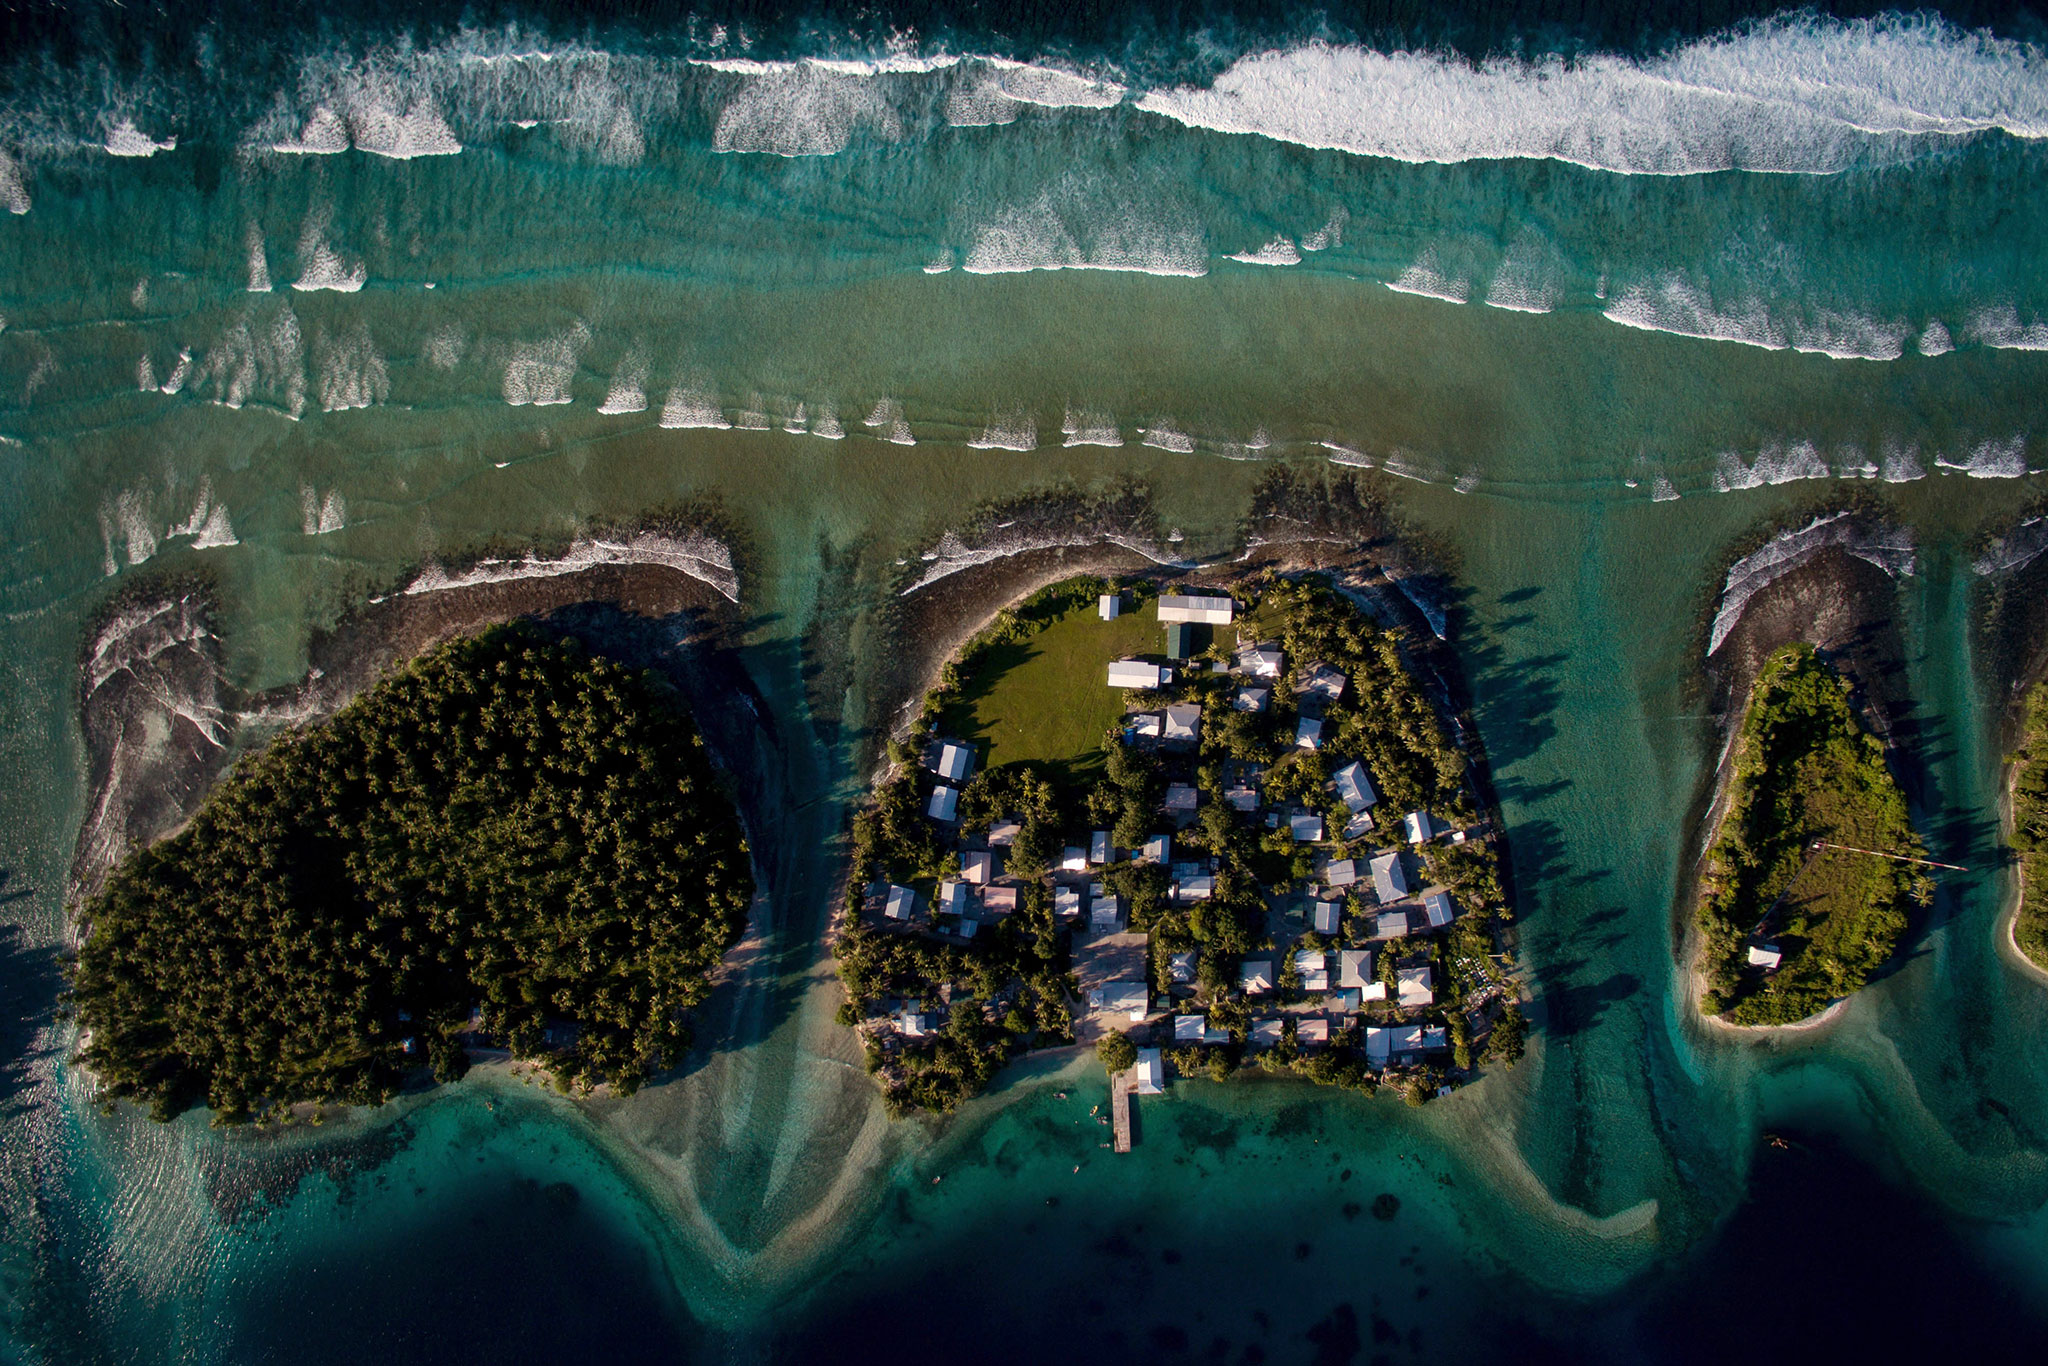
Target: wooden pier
{"x":1120,"y":1109}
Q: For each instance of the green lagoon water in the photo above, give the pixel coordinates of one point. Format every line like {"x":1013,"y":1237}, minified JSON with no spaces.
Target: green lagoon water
{"x":710,"y":247}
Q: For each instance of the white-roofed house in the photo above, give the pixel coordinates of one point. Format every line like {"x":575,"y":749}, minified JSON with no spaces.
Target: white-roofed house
{"x":1121,"y":998}
{"x":1307,"y":827}
{"x":914,"y":1024}
{"x":1416,"y":986}
{"x":1342,"y":872}
{"x":1438,"y":908}
{"x":1159,"y":849}
{"x":1308,"y":733}
{"x":1354,"y":787}
{"x":1312,"y":1029}
{"x":1373,"y":991}
{"x":1146,"y":725}
{"x":999,"y":901}
{"x":1180,"y":967}
{"x":1183,"y":724}
{"x":1066,"y":902}
{"x":1106,"y":914}
{"x":1004,"y":833}
{"x":1323,"y":681}
{"x":1203,"y":610}
{"x":1267,"y":1033}
{"x":1148,"y":1074}
{"x":978,"y":866}
{"x":1098,"y":847}
{"x":956,"y":761}
{"x":1435,"y":1039}
{"x":1765,"y":956}
{"x":1389,"y":878}
{"x":1241,"y":798}
{"x":1418,"y":827}
{"x":1109,"y":606}
{"x":1251,"y":699}
{"x":1379,"y":1044}
{"x":1074,"y":859}
{"x":901,"y":904}
{"x":1261,"y":661}
{"x":1354,"y":967}
{"x":953,"y":897}
{"x":1407,"y":1040}
{"x":1197,"y":888}
{"x":1326,"y":917}
{"x":944,"y":804}
{"x":1255,"y":978}
{"x":1390,"y":925}
{"x":1196,"y":1029}
{"x":1180,"y":798}
{"x":1136,"y":673}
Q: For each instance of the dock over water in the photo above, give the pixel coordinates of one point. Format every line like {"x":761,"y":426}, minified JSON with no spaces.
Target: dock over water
{"x":1120,"y":1109}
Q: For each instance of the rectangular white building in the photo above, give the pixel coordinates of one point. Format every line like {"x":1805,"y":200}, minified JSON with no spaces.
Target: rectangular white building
{"x":1209,"y":611}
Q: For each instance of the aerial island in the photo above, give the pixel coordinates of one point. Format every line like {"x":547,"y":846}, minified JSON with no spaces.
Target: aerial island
{"x":2030,"y":828}
{"x":509,"y":841}
{"x":1807,"y":886}
{"x":1198,"y":825}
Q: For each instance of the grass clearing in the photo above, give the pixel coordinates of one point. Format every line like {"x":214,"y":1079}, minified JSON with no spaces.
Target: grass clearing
{"x":1044,"y":699}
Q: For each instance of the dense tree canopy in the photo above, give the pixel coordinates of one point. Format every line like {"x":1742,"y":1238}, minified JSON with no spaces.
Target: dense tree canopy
{"x":2030,"y":828}
{"x":507,"y":826}
{"x":1805,"y":772}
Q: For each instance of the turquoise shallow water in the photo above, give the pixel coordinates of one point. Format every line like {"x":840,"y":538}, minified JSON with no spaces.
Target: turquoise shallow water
{"x":1586,"y":471}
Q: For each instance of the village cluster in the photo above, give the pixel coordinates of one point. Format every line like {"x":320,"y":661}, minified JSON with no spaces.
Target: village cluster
{"x":1352,"y":947}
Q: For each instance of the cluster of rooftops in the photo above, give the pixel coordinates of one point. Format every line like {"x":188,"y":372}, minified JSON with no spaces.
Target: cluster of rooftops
{"x":1332,"y":985}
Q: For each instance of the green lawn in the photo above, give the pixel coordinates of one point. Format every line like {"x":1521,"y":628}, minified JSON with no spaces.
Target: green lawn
{"x":1045,"y":699}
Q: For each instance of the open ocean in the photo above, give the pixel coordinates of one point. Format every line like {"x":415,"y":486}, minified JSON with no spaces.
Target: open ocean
{"x":302,"y":297}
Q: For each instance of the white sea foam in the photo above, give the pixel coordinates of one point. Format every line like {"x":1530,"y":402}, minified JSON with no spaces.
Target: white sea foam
{"x":2005,"y":459}
{"x":1090,"y":429}
{"x":1012,"y":432}
{"x":320,"y":266}
{"x":1901,"y":464}
{"x":628,"y":392}
{"x":1345,"y":455}
{"x":1426,"y":278}
{"x":692,"y":408}
{"x":249,"y":360}
{"x":128,"y":531}
{"x":1777,"y":463}
{"x":888,"y":419}
{"x":801,"y":109}
{"x":1331,"y":234}
{"x":2001,"y":327}
{"x":539,"y":372}
{"x":1068,"y":228}
{"x":1281,"y":251}
{"x":13,"y":190}
{"x":939,"y":264}
{"x":1527,"y":281}
{"x":126,"y":140}
{"x":1889,"y":548}
{"x":420,"y":131}
{"x":1663,"y":490}
{"x":145,"y":376}
{"x":349,"y":370}
{"x":259,"y":264}
{"x":993,"y":90}
{"x":952,"y":554}
{"x":1673,"y":304}
{"x":324,"y":134}
{"x":1163,"y":435}
{"x":1792,"y":94}
{"x":752,"y":420}
{"x":445,"y":346}
{"x":207,"y":525}
{"x":701,"y":557}
{"x":1935,"y":340}
{"x":180,"y":372}
{"x":825,"y":423}
{"x":321,"y":515}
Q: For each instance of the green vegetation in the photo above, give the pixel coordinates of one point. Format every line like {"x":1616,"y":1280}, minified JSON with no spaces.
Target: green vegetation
{"x":507,"y":826}
{"x":1805,"y":771}
{"x":2030,"y":828}
{"x":1030,"y":688}
{"x":1116,"y":1052}
{"x":1029,"y":691}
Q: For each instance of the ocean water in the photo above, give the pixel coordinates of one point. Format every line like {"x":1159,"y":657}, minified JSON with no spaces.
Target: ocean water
{"x":303,"y":299}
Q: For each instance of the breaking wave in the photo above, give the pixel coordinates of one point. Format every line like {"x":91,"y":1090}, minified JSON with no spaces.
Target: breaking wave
{"x":1889,"y":548}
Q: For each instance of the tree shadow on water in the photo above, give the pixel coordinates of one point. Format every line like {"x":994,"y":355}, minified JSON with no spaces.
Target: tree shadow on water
{"x":31,"y":979}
